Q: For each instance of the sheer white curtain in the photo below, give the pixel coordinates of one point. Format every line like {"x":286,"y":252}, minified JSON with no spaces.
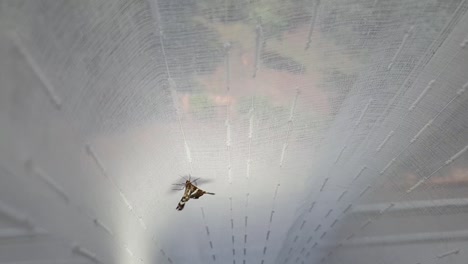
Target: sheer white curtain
{"x":330,"y":131}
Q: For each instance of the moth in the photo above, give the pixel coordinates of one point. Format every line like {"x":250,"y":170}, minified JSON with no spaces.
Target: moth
{"x":191,"y":192}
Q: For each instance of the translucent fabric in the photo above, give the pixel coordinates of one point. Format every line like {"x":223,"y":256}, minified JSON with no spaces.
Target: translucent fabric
{"x":331,"y":131}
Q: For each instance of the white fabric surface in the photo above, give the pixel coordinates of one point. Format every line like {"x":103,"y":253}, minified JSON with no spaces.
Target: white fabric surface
{"x":330,"y":131}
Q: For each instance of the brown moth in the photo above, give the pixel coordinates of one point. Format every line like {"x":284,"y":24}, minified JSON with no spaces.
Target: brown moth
{"x":191,"y":192}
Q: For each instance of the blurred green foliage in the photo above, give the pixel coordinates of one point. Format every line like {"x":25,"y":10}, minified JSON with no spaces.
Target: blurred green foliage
{"x":262,"y":105}
{"x":202,"y":106}
{"x":275,"y":16}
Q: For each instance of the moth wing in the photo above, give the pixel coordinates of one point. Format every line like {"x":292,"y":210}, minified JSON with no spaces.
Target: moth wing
{"x":197,"y":194}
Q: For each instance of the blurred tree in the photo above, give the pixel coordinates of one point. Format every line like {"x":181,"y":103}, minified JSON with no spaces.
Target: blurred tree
{"x":225,"y":11}
{"x":275,"y":16}
{"x":191,"y":47}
